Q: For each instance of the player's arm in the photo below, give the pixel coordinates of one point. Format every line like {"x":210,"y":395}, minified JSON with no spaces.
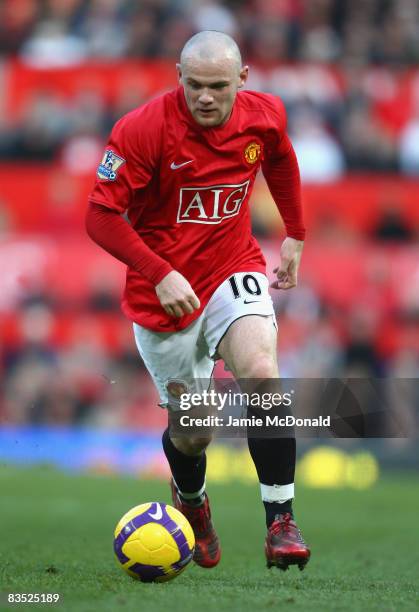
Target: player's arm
{"x":108,"y":229}
{"x":282,"y":175}
{"x":129,"y":165}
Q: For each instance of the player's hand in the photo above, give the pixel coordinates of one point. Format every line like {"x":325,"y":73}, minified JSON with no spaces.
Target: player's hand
{"x":176,"y":295}
{"x":287,"y":272}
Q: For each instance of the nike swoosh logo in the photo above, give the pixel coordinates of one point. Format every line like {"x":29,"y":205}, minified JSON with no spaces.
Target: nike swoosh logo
{"x":251,"y":301}
{"x":174,"y":166}
{"x":158,"y":514}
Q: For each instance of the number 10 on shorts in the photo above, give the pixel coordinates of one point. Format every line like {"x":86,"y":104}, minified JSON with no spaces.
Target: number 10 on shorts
{"x":248,"y":283}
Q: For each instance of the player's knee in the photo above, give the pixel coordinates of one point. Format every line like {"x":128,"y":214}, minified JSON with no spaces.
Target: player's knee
{"x":195,"y":444}
{"x":262,"y":365}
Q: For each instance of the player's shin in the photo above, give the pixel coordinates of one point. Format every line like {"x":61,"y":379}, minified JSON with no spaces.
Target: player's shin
{"x":189,"y":497}
{"x":188,"y":471}
{"x":274,"y":459}
{"x":272,"y":448}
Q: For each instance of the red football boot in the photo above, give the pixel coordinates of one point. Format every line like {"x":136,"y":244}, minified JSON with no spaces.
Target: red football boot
{"x":284,"y":544}
{"x":207,"y":547}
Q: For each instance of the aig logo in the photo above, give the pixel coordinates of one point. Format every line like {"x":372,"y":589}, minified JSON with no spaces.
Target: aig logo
{"x":210,"y":204}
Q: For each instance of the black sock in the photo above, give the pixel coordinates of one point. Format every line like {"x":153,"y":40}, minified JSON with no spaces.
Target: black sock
{"x":273,"y":509}
{"x":187,"y":471}
{"x":274,"y":459}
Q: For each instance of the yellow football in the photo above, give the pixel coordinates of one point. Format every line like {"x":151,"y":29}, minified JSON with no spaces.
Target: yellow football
{"x":154,"y":542}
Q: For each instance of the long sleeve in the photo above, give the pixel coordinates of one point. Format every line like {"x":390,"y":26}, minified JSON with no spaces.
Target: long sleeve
{"x":283,"y":178}
{"x":109,"y":230}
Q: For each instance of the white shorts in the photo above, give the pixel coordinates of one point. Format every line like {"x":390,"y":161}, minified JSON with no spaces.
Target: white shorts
{"x":184,"y":360}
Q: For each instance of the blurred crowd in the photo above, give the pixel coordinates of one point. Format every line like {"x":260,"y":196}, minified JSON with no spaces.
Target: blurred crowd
{"x":73,"y":362}
{"x":69,"y":362}
{"x":349,"y":111}
{"x":347,"y":72}
{"x":348,"y":31}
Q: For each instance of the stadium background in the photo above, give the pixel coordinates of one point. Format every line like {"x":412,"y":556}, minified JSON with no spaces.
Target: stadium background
{"x":74,"y":393}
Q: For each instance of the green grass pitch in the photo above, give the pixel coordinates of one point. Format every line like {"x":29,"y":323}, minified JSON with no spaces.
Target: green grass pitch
{"x":56,"y":536}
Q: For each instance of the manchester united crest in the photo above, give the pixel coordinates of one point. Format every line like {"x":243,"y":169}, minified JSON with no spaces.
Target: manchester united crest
{"x":252,"y":152}
{"x":175,"y":388}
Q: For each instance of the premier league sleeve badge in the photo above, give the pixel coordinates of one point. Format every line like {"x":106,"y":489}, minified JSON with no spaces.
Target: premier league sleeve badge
{"x":108,"y":168}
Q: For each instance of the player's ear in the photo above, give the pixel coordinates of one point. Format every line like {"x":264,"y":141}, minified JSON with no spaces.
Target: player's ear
{"x":244,"y":73}
{"x":179,"y":72}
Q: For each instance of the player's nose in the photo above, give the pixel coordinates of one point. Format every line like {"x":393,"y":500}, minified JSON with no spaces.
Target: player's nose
{"x":206,"y":98}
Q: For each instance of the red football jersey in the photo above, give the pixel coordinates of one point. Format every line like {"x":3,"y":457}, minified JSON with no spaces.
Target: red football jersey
{"x":186,"y":191}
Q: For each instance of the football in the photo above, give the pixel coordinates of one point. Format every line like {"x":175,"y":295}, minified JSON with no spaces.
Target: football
{"x":154,"y":542}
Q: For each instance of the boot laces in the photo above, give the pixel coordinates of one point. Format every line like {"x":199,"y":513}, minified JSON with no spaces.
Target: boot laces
{"x":282,"y":524}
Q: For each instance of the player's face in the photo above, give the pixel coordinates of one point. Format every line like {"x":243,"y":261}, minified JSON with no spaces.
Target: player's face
{"x":211,"y":88}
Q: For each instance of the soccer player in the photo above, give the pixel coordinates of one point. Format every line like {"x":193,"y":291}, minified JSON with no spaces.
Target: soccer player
{"x":182,"y":167}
